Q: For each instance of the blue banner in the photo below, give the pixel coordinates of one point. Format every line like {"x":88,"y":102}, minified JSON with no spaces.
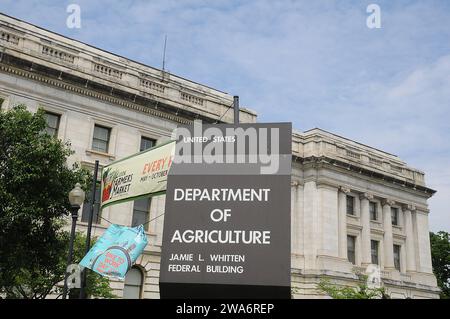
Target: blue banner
{"x":116,"y":251}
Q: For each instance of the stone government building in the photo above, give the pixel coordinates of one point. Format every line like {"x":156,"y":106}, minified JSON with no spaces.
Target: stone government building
{"x":352,"y":205}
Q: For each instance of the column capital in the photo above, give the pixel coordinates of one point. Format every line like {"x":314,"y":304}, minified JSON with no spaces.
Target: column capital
{"x":409,"y":207}
{"x":367,"y":196}
{"x":388,"y":201}
{"x":344,"y":189}
{"x":295,"y":183}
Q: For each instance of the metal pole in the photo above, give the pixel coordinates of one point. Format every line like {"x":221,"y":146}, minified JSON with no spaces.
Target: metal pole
{"x":74,"y":213}
{"x":236,"y":109}
{"x":88,"y":235}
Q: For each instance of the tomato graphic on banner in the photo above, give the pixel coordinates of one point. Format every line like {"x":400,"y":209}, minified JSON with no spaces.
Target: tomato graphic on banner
{"x":140,"y":175}
{"x":108,"y":177}
{"x":116,"y":251}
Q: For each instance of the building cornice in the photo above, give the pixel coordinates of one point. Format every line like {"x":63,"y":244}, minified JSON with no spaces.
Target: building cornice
{"x":320,"y":143}
{"x":153,"y":107}
{"x":62,"y":54}
{"x":324,"y":161}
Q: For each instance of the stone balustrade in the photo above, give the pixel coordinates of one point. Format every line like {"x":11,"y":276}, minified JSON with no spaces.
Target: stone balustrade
{"x":67,"y":56}
{"x":319,"y":143}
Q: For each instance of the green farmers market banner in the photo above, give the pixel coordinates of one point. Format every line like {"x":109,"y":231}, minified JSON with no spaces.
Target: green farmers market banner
{"x":143,"y":174}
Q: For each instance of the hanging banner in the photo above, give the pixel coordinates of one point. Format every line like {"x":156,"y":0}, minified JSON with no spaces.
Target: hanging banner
{"x":228,"y":208}
{"x":138,"y":175}
{"x":116,"y":251}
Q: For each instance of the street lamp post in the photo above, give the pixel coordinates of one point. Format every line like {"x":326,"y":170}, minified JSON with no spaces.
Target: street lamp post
{"x":76,"y":199}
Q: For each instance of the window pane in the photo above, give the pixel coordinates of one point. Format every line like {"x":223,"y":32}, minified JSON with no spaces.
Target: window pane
{"x":350,"y":202}
{"x":100,"y":146}
{"x":394,"y":216}
{"x":142,"y":204}
{"x":147,"y":143}
{"x":131,"y":292}
{"x":141,"y":212}
{"x":134,"y":277}
{"x":133,"y":284}
{"x":351,"y":249}
{"x":101,"y":139}
{"x":397,"y":257}
{"x":52,"y":121}
{"x":101,"y":133}
{"x":140,"y":218}
{"x":373,"y":211}
{"x":374,"y":251}
{"x":51,"y":131}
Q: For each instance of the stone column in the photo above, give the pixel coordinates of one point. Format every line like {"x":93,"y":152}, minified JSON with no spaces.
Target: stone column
{"x":311,"y":227}
{"x":388,"y":239}
{"x":365,"y":233}
{"x":423,"y":252}
{"x":300,"y":220}
{"x":295,"y":231}
{"x":342,"y":215}
{"x":410,"y":242}
{"x":297,"y":251}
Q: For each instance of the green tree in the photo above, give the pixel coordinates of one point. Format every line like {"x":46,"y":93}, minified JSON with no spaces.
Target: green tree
{"x":440,"y":257}
{"x":37,"y":284}
{"x":361,"y":291}
{"x":34,"y":185}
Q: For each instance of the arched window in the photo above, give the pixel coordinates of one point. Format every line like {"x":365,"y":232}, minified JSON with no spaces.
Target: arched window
{"x":133,"y":284}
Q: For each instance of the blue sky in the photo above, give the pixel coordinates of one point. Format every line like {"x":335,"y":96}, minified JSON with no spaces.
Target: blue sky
{"x":314,"y":63}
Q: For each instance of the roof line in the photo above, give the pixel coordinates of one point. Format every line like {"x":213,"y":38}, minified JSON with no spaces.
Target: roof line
{"x":112,"y":53}
{"x":347,"y":139}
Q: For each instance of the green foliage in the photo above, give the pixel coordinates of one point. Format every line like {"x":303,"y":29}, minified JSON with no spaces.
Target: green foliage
{"x":37,"y":284}
{"x":440,"y":256}
{"x":361,"y":291}
{"x":34,"y":185}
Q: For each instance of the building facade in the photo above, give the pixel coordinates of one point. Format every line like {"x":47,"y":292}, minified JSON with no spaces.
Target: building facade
{"x":352,"y":205}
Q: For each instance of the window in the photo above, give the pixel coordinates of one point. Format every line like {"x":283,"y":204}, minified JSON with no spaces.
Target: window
{"x":350,"y":205}
{"x":373,"y":211}
{"x":394,"y":216}
{"x":146,"y":143}
{"x":351,"y":240}
{"x":100,"y":141}
{"x":374,"y":251}
{"x":397,"y":257}
{"x":133,"y":284}
{"x":85,"y":212}
{"x":141,"y":212}
{"x":52,"y":124}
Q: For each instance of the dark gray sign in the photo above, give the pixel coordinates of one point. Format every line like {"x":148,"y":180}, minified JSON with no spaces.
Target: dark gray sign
{"x":227,"y":218}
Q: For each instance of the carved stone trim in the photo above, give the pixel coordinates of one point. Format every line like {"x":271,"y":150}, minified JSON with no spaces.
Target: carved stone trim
{"x":389,"y":202}
{"x":57,"y":54}
{"x":368,"y":196}
{"x":409,"y":207}
{"x":344,"y":189}
{"x":9,"y":37}
{"x":87,"y":92}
